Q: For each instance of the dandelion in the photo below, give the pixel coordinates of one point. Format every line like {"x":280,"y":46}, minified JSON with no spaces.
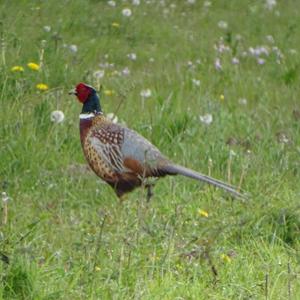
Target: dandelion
{"x":146,"y":93}
{"x":136,"y":2}
{"x":112,"y":117}
{"x":33,"y":66}
{"x":42,"y":86}
{"x":218,"y":65}
{"x":17,"y":69}
{"x":132,"y":56}
{"x":57,"y":116}
{"x":196,"y":82}
{"x":47,"y":28}
{"x":225,"y":258}
{"x":222,"y":24}
{"x":206,"y":119}
{"x":108,"y":92}
{"x":115,"y":25}
{"x":203,"y":213}
{"x":73,"y":48}
{"x":222,"y":97}
{"x":111,"y":3}
{"x":99,"y":74}
{"x":126,"y":12}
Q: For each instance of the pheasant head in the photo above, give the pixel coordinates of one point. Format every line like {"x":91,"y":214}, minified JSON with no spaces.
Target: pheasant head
{"x":88,"y":96}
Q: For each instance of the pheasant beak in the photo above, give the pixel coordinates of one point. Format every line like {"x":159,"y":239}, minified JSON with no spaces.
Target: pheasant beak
{"x":73,"y":92}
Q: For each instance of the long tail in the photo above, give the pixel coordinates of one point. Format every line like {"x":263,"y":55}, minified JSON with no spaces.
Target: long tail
{"x":179,"y":170}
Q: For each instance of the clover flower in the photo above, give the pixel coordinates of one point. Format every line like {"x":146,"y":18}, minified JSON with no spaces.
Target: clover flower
{"x":17,"y":69}
{"x":33,"y":66}
{"x":57,"y":116}
{"x":42,"y":86}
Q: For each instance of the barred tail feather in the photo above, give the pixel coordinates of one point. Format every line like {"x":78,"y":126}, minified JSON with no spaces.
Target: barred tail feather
{"x":179,"y":170}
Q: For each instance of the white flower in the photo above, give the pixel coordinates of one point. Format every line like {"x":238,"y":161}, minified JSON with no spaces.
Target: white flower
{"x":232,"y":153}
{"x":131,"y":56}
{"x":112,"y":117}
{"x":270,"y":39}
{"x":243,"y":101}
{"x":5,"y":198}
{"x":218,"y":64}
{"x":146,"y":93}
{"x":47,"y":28}
{"x":151,"y":59}
{"x":191,"y":1}
{"x":126,"y":71}
{"x":136,"y":2}
{"x":57,"y":116}
{"x":222,"y":24}
{"x":99,"y":74}
{"x":235,"y":61}
{"x":270,"y":4}
{"x":206,"y":119}
{"x":261,"y":61}
{"x":207,"y":4}
{"x":196,"y":82}
{"x":111,"y":3}
{"x":126,"y":12}
{"x":73,"y":48}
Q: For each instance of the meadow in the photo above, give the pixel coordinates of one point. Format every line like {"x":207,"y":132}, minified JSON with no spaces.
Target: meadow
{"x":215,"y":86}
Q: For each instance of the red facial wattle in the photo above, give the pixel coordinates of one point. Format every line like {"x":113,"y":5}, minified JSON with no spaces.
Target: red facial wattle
{"x":82,"y":92}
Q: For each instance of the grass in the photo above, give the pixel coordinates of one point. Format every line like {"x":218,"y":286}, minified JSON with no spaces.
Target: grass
{"x":67,"y":236}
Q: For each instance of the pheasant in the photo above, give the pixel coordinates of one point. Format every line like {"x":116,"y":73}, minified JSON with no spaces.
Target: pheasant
{"x":120,"y":156}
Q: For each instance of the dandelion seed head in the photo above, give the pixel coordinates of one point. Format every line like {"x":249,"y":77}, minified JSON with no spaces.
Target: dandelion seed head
{"x":146,"y":93}
{"x":47,"y":28}
{"x":206,"y":119}
{"x":126,"y":12}
{"x":132,"y":56}
{"x":111,"y":3}
{"x":73,"y":48}
{"x":57,"y":116}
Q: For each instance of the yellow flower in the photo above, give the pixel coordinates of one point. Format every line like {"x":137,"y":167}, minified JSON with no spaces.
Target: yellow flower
{"x":222,"y":97}
{"x":203,"y":213}
{"x":42,"y":87}
{"x":33,"y":66}
{"x":115,"y":24}
{"x":225,"y":258}
{"x":97,"y":269}
{"x":108,"y":92}
{"x":17,"y":69}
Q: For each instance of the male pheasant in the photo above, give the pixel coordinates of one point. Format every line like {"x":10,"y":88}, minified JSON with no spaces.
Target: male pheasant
{"x":122,"y":157}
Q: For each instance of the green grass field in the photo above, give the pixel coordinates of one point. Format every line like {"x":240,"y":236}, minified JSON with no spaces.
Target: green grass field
{"x":65,"y":235}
